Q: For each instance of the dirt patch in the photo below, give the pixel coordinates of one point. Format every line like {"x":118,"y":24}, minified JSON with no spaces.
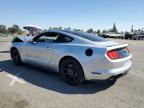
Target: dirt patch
{"x":12,"y":100}
{"x":21,"y":104}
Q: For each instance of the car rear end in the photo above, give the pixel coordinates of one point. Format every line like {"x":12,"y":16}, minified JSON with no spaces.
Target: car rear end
{"x":115,"y":60}
{"x":106,"y":59}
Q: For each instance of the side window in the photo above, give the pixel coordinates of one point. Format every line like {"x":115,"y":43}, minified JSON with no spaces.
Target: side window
{"x":53,"y":38}
{"x":47,"y":37}
{"x":63,"y":39}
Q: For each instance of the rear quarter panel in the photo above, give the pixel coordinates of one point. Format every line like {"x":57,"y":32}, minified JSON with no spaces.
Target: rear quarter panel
{"x":78,"y":52}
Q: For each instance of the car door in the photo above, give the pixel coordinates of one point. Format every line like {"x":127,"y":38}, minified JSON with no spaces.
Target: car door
{"x":40,"y":51}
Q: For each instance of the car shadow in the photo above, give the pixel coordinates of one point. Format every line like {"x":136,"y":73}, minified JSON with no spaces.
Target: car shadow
{"x":4,"y":41}
{"x":4,"y":51}
{"x":53,"y":81}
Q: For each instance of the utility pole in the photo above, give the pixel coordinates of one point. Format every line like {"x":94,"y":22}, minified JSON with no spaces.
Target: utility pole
{"x":132,"y":30}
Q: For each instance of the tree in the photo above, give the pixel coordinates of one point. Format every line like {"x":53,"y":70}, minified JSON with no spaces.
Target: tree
{"x":45,"y":30}
{"x":78,"y":30}
{"x":98,"y":31}
{"x":3,"y":28}
{"x":16,"y":29}
{"x":11,"y":30}
{"x":68,"y":28}
{"x":56,"y":28}
{"x":104,"y":31}
{"x":122,"y":32}
{"x":60,"y":28}
{"x":50,"y":28}
{"x":90,"y":30}
{"x":139,"y":29}
{"x":114,"y":29}
{"x":132,"y":30}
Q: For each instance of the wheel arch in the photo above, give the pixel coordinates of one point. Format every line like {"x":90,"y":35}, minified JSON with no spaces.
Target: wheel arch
{"x":12,"y":48}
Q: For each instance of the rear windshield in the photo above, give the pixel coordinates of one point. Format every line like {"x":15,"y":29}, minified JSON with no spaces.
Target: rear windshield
{"x":88,"y":36}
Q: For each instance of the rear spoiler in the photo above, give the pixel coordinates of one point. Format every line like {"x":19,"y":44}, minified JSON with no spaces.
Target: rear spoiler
{"x":117,"y":47}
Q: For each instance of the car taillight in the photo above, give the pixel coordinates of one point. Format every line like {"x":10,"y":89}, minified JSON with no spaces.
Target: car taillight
{"x":127,"y":50}
{"x":118,"y":53}
{"x":113,"y":54}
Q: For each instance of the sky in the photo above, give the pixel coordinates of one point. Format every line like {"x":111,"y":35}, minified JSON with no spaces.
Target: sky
{"x":82,"y":14}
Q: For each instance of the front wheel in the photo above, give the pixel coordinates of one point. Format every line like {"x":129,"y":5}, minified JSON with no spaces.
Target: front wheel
{"x":16,"y":57}
{"x":71,"y":71}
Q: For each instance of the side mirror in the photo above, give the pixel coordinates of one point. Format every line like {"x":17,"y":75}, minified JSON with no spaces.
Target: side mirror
{"x":32,"y":41}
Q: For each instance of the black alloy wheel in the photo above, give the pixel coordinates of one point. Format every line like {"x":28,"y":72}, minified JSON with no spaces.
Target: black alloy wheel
{"x":16,"y":57}
{"x":71,"y":71}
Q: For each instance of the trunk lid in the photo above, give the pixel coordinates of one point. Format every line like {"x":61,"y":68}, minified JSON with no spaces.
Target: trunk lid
{"x":107,"y":43}
{"x":115,"y":50}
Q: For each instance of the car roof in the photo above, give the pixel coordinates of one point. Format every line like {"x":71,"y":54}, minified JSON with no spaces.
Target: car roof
{"x":85,"y":35}
{"x":79,"y":35}
{"x":61,"y":32}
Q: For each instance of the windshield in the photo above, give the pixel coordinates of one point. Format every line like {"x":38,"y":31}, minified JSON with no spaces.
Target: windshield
{"x":88,"y":36}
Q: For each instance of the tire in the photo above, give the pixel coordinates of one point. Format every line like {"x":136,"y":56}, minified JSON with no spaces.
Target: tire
{"x":71,"y":71}
{"x":16,"y":57}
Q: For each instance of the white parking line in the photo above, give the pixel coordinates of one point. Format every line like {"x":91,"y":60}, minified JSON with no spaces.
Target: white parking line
{"x":138,"y":74}
{"x":14,"y":79}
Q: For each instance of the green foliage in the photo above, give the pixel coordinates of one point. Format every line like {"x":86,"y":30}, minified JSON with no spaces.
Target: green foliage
{"x":15,"y":29}
{"x":11,"y":30}
{"x":78,"y":30}
{"x":114,"y":29}
{"x":90,"y":31}
{"x":60,"y":28}
{"x":57,"y":28}
{"x":3,"y":29}
{"x":98,"y":31}
{"x":132,"y":30}
{"x":104,"y":31}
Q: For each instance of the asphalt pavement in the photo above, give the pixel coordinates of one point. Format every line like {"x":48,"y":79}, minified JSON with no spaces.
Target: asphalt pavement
{"x":31,"y":87}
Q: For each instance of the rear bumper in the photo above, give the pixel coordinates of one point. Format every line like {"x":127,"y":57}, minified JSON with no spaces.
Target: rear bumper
{"x":105,"y":74}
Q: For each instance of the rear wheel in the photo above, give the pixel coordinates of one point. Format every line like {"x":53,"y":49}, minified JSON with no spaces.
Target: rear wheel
{"x":71,"y":71}
{"x":16,"y":57}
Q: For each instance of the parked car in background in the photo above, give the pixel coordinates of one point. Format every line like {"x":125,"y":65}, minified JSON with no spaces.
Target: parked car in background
{"x":128,"y":35}
{"x":110,"y":34}
{"x":103,"y":35}
{"x":113,"y":35}
{"x":116,"y":35}
{"x":106,"y":35}
{"x":122,"y":36}
{"x":138,"y":37}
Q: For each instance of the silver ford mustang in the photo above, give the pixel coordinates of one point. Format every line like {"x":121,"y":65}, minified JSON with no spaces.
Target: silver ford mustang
{"x":77,"y":56}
